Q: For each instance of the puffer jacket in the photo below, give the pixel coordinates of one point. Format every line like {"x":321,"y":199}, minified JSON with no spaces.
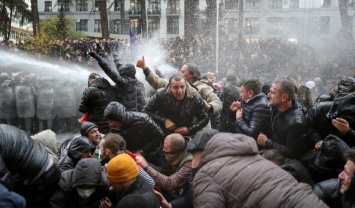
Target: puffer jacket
{"x":230,"y":94}
{"x":139,"y":130}
{"x":21,"y":154}
{"x":95,"y":99}
{"x":163,"y":105}
{"x":290,"y":132}
{"x":87,"y":172}
{"x":78,"y":146}
{"x":125,"y":78}
{"x":141,"y":102}
{"x":49,"y":140}
{"x":232,"y":174}
{"x":256,"y":117}
{"x":208,"y":95}
{"x":320,"y":125}
{"x":328,"y":191}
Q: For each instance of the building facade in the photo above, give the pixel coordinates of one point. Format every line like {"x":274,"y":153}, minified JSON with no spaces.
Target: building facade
{"x":299,"y":21}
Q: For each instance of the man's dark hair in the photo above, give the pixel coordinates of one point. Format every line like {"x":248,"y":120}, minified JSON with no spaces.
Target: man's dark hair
{"x":253,"y":85}
{"x":350,"y":155}
{"x":286,"y":87}
{"x":274,"y":155}
{"x":231,"y":78}
{"x":176,"y":77}
{"x":194,"y":71}
{"x":115,"y":143}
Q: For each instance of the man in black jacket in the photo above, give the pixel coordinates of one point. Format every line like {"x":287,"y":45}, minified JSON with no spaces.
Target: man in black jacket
{"x":339,"y":193}
{"x":178,"y":108}
{"x":252,"y":115}
{"x":125,"y":78}
{"x":141,"y":133}
{"x":95,"y":98}
{"x":289,"y":125}
{"x":26,"y":167}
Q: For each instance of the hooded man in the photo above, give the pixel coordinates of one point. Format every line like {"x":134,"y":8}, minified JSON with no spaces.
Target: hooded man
{"x":125,"y":78}
{"x":83,"y":186}
{"x":95,"y":98}
{"x":232,"y":174}
{"x":139,"y":130}
{"x":78,"y":149}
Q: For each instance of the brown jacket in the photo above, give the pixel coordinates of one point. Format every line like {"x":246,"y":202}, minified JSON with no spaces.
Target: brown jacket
{"x":232,"y":174}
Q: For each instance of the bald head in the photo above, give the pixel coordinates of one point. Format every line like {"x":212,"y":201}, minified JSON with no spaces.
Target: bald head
{"x":176,"y":141}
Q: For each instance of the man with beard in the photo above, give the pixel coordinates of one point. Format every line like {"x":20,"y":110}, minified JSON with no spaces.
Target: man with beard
{"x":178,"y":108}
{"x":176,"y":176}
{"x":339,"y":193}
{"x":114,"y":144}
{"x":289,"y":125}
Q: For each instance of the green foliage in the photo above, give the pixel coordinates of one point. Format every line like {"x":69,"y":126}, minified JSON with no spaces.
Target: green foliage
{"x":51,"y":35}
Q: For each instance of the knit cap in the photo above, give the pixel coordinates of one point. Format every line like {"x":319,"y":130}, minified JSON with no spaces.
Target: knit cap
{"x":121,"y":168}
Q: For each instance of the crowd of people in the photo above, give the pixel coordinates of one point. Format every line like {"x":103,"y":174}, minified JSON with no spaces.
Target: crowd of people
{"x":245,"y":137}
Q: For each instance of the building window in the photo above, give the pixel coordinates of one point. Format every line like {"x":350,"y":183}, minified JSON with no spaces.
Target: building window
{"x":117,"y":5}
{"x":48,"y":6}
{"x":295,"y":25}
{"x":173,"y":7}
{"x":232,"y":4}
{"x":97,"y":26}
{"x":252,"y":4}
{"x":324,"y":25}
{"x":64,"y":6}
{"x":274,"y":25}
{"x":134,"y":26}
{"x":153,"y":25}
{"x":232,"y":25}
{"x":135,"y":7}
{"x":82,"y":25}
{"x":274,"y":4}
{"x":81,"y":6}
{"x":97,"y":6}
{"x":294,"y":4}
{"x":327,"y":3}
{"x":173,"y":25}
{"x":117,"y":27}
{"x":251,"y":25}
{"x":154,"y":7}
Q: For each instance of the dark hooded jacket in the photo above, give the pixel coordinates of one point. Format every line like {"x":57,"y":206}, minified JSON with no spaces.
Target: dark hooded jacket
{"x":95,"y":99}
{"x":87,"y":172}
{"x":321,"y":114}
{"x":163,"y":105}
{"x":125,"y":78}
{"x":141,"y":187}
{"x":290,"y":132}
{"x":230,"y":94}
{"x":139,"y":130}
{"x":141,"y":102}
{"x":232,"y":174}
{"x":328,"y":191}
{"x":77,"y":147}
{"x":21,"y":154}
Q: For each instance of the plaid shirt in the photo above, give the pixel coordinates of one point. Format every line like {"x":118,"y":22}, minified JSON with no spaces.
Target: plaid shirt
{"x":172,"y":182}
